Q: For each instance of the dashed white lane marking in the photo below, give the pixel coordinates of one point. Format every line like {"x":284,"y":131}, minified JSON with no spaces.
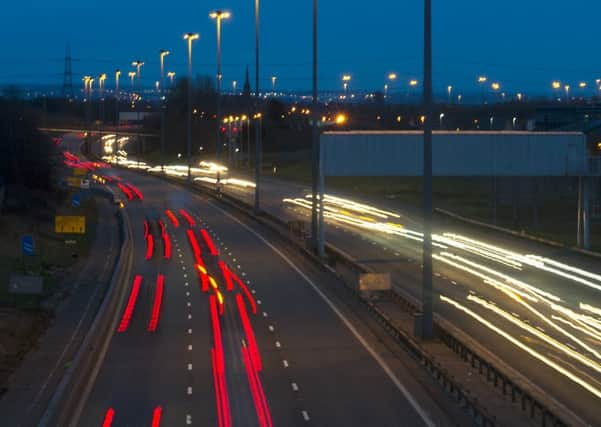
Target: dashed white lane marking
{"x":188,"y":293}
{"x":189,"y":366}
{"x":189,"y":390}
{"x":305,"y":415}
{"x":271,"y":328}
{"x":189,"y":316}
{"x":184,"y":268}
{"x":452,"y":281}
{"x":185,"y":276}
{"x":425,"y":416}
{"x":190,"y":331}
{"x":253,"y":291}
{"x":190,"y":347}
{"x":238,"y":267}
{"x":189,"y":304}
{"x":188,"y":419}
{"x":294,"y":387}
{"x":285,"y":362}
{"x":264,"y":314}
{"x":180,"y":255}
{"x":277,"y":344}
{"x":186,"y":284}
{"x":259,"y":301}
{"x":243,"y":274}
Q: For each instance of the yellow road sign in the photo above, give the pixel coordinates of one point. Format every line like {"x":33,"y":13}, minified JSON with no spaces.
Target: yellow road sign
{"x":73,"y":181}
{"x":70,"y":224}
{"x":80,"y":171}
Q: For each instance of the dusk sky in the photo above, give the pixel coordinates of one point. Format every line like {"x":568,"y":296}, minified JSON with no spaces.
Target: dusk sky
{"x":523,"y":44}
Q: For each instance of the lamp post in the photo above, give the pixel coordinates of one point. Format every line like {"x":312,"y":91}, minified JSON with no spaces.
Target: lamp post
{"x":345,"y":84}
{"x":218,"y":16}
{"x":190,"y":37}
{"x":391,"y":78}
{"x":427,"y":329}
{"x":162,"y":54}
{"x":316,"y":220}
{"x":273,"y":80}
{"x":566,"y":88}
{"x":258,"y":145}
{"x":138,"y":64}
{"x":450,"y":93}
{"x":132,"y":76}
{"x":234,"y":84}
{"x":482,"y":81}
{"x":171,"y":76}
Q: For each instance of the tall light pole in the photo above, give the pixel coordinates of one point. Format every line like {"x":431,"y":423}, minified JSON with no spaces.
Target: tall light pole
{"x":171,"y":76}
{"x":234,"y":84}
{"x":273,"y":80}
{"x":258,"y":145}
{"x":566,"y":88}
{"x":117,"y":75}
{"x":162,"y":54}
{"x":427,"y":329}
{"x":132,"y":76}
{"x":190,"y":37}
{"x":482,"y":81}
{"x":345,"y":82}
{"x":218,"y":16}
{"x":391,"y":78}
{"x":138,"y":64}
{"x":315,"y":150}
{"x":450,"y":93}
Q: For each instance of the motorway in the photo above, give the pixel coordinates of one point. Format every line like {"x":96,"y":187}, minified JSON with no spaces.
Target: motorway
{"x":535,"y":307}
{"x":302,"y":359}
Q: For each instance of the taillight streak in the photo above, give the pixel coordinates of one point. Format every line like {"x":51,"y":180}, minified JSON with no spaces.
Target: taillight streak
{"x":187,"y":217}
{"x":131,"y":303}
{"x":146,"y":229}
{"x":135,"y":190}
{"x":256,"y":390}
{"x":149,"y":247}
{"x":193,"y":243}
{"x":225,"y":271}
{"x":219,"y":360}
{"x":251,"y":300}
{"x":209,"y":242}
{"x":108,"y":417}
{"x":125,"y":191}
{"x":156,"y":307}
{"x":250,"y":335}
{"x":156,"y":416}
{"x":172,"y":218}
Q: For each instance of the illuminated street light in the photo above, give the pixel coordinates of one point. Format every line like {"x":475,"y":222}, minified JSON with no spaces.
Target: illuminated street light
{"x":346,"y":78}
{"x":341,"y":119}
{"x":495,"y":86}
{"x":219,"y":16}
{"x":413,"y":83}
{"x":117,"y":76}
{"x":520,"y":96}
{"x":556,"y":85}
{"x":190,"y":37}
{"x":132,"y":75}
{"x":234,"y":85}
{"x":273,"y":80}
{"x":162,"y":54}
{"x":101,"y":79}
{"x":566,"y":88}
{"x":482,"y":79}
{"x":171,"y":76}
{"x":392,"y":77}
{"x":582,"y":85}
{"x":450,"y":93}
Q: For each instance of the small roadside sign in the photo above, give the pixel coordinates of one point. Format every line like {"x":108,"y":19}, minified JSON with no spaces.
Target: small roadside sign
{"x":80,"y":172}
{"x":76,"y":200}
{"x":27,"y":245}
{"x":70,"y":224}
{"x":73,"y":181}
{"x":25,"y":285}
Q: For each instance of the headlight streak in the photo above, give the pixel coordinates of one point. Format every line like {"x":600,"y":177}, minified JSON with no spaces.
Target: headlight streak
{"x":582,"y":329}
{"x":534,"y":331}
{"x":589,"y":387}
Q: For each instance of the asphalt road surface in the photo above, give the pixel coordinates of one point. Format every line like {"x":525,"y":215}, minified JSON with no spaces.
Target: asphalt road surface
{"x":316,"y":364}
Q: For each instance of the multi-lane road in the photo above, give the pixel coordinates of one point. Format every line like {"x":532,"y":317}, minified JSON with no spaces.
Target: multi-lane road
{"x":535,"y":307}
{"x":302,"y":358}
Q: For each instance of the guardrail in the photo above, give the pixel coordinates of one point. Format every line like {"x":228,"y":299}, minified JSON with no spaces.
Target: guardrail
{"x":68,"y":402}
{"x":540,"y":407}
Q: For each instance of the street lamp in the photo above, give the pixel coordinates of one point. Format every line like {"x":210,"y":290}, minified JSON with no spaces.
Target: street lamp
{"x":345,"y":82}
{"x":162,"y":54}
{"x":190,"y":37}
{"x":132,"y":75}
{"x":450,"y":93}
{"x":171,"y":76}
{"x":234,"y":84}
{"x":86,"y":82}
{"x":482,"y":81}
{"x":273,"y":80}
{"x":117,"y":75}
{"x":258,"y":142}
{"x":391,"y":78}
{"x":101,"y":79}
{"x":218,"y":16}
{"x":567,"y":90}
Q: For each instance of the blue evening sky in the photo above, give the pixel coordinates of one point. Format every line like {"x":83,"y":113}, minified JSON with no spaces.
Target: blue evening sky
{"x":523,"y":44}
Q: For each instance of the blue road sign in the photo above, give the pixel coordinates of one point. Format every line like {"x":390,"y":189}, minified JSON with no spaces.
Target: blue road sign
{"x":28,"y":245}
{"x":76,"y":201}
